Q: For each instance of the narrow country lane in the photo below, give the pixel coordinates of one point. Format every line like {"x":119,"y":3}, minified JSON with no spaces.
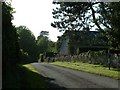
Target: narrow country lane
{"x":69,"y":78}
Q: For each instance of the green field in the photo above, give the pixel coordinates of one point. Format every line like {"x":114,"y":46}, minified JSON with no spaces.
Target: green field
{"x":91,"y":68}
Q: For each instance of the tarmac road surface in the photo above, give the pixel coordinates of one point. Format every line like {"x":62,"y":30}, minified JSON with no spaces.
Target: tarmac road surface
{"x":62,"y":77}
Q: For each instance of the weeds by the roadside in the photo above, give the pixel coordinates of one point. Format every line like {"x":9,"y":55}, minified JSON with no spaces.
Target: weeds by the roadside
{"x":96,"y":69}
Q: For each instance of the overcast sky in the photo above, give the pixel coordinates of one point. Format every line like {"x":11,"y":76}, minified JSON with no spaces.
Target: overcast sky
{"x":36,"y":15}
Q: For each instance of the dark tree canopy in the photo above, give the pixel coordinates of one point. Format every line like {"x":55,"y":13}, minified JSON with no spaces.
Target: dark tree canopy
{"x":44,"y":44}
{"x":74,"y":16}
{"x":27,"y":41}
{"x":9,"y":36}
{"x":44,"y":33}
{"x":10,"y":47}
{"x":86,"y":15}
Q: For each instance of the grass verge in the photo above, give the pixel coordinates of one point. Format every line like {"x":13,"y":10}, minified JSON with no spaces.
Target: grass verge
{"x":91,"y":68}
{"x":30,"y":67}
{"x":26,"y":76}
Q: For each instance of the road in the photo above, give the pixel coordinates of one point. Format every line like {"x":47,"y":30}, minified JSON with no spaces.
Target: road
{"x":68,"y":78}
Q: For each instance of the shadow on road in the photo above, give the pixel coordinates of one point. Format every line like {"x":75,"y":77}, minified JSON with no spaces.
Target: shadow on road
{"x":50,"y":84}
{"x":30,"y":79}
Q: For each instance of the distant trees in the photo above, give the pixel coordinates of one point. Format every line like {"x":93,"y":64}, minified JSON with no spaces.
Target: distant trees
{"x":32,"y":48}
{"x":44,"y":33}
{"x":44,"y":44}
{"x":27,"y":42}
{"x":52,"y":46}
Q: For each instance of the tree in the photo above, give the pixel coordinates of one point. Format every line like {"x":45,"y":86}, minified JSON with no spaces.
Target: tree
{"x":10,"y":38}
{"x":52,"y":46}
{"x":109,"y":18}
{"x":58,"y":43}
{"x":10,"y":48}
{"x":115,"y":22}
{"x":27,"y":42}
{"x":111,"y":14}
{"x":85,"y":15}
{"x":74,"y":16}
{"x":44,"y":33}
{"x":42,"y":44}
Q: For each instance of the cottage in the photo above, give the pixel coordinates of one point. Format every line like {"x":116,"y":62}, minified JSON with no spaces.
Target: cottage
{"x":74,"y":42}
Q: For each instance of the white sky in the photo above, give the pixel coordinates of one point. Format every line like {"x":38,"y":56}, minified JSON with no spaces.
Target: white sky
{"x":36,"y":15}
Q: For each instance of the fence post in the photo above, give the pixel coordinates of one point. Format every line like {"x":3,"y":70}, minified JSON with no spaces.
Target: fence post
{"x":109,"y":58}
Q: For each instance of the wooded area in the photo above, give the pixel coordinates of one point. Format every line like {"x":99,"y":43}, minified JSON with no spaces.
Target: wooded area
{"x":19,"y":46}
